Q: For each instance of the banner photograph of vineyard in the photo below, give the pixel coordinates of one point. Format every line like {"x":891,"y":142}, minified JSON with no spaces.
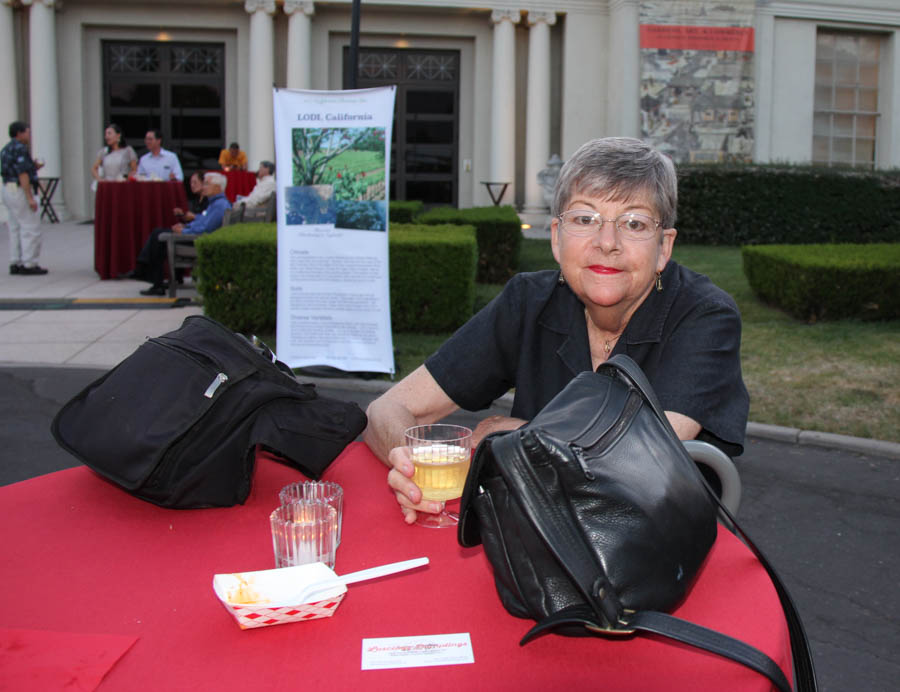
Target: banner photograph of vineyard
{"x":338,"y":177}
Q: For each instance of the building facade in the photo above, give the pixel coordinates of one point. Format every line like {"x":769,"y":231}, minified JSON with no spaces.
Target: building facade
{"x":487,"y":91}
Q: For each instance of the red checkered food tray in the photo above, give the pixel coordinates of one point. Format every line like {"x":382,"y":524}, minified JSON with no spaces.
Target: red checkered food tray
{"x":255,"y":599}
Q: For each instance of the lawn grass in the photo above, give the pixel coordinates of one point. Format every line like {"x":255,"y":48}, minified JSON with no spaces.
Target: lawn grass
{"x":838,"y":377}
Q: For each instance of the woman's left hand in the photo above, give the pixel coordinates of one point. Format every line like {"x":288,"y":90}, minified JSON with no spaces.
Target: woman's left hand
{"x":493,"y":424}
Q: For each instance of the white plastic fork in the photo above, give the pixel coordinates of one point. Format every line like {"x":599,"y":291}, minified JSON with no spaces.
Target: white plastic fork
{"x":305,"y":595}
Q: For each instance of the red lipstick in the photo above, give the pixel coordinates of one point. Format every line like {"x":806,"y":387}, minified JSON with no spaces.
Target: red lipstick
{"x":602,"y":269}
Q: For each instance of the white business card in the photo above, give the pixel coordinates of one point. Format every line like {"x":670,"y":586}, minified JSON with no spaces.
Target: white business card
{"x":415,"y":652}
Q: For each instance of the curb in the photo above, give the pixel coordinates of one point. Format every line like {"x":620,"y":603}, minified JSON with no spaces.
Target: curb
{"x":766,"y":431}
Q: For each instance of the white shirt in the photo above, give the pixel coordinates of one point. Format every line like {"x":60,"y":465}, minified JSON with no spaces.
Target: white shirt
{"x":264,"y":188}
{"x":160,"y":166}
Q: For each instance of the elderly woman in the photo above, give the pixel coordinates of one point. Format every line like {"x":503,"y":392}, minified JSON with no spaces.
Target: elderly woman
{"x":116,"y":160}
{"x":617,"y":291}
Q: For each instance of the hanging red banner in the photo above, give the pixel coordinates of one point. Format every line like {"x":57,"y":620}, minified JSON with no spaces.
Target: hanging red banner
{"x":682,"y":37}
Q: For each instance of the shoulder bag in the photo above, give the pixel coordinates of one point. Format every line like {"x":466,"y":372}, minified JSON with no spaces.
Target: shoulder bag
{"x":595,"y":521}
{"x":177,"y":423}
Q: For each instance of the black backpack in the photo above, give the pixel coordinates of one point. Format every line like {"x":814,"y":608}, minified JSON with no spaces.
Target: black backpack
{"x":177,"y":423}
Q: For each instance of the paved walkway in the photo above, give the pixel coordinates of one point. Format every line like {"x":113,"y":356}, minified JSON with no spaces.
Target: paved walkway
{"x":71,"y":317}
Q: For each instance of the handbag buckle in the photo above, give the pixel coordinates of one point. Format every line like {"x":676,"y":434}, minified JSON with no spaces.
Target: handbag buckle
{"x":620,"y":629}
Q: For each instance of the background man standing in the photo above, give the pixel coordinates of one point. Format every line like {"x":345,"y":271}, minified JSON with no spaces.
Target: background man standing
{"x":19,"y":185}
{"x":158,"y":162}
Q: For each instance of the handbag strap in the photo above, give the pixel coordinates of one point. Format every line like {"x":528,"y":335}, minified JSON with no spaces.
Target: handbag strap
{"x":804,"y":670}
{"x":557,"y":529}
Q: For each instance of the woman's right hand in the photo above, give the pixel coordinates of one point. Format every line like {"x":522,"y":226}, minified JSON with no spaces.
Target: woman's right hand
{"x":408,"y":494}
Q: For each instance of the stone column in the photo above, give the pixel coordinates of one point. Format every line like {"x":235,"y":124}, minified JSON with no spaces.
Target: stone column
{"x":260,"y":78}
{"x":624,"y":114}
{"x":9,"y":77}
{"x":503,"y":102}
{"x":44,"y":92}
{"x":537,"y":128}
{"x":299,"y":71}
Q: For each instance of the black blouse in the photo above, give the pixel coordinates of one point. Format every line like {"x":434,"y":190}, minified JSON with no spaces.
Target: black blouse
{"x":533,"y":337}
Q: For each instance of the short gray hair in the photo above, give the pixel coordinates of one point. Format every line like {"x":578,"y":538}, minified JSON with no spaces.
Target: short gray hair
{"x":217,"y":179}
{"x":619,"y":168}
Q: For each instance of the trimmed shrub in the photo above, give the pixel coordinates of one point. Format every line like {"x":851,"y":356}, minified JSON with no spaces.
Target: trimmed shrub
{"x":432,"y":282}
{"x":756,"y":204}
{"x":499,"y":232}
{"x":405,"y":211}
{"x":432,"y":276}
{"x":815,"y":282}
{"x":237,"y":274}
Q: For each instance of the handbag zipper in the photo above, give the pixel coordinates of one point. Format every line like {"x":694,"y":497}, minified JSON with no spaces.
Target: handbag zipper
{"x":217,"y":382}
{"x":629,"y":411}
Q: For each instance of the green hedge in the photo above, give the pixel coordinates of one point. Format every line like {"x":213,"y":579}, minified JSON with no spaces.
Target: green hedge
{"x":499,"y":231}
{"x":404,"y":211}
{"x":432,"y":276}
{"x":237,"y":275}
{"x":815,"y":282}
{"x":755,"y":204}
{"x":432,"y":282}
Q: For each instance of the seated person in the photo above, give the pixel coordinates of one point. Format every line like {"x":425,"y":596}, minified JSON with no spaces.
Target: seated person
{"x":158,"y":163}
{"x":232,"y":158}
{"x":198,"y":202}
{"x":152,"y":257}
{"x":617,"y":291}
{"x":264,"y":188}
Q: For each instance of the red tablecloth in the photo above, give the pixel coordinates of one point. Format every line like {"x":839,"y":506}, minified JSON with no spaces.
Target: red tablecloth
{"x":124,"y":215}
{"x":239,"y":183}
{"x":82,"y":556}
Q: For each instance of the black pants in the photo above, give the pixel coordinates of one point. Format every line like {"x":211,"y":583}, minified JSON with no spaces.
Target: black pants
{"x":151,"y":260}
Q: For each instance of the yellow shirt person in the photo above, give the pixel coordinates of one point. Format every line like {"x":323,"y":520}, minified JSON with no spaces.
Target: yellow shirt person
{"x":232,"y":158}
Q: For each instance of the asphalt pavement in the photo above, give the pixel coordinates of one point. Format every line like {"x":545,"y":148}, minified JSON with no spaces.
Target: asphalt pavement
{"x":824,"y":509}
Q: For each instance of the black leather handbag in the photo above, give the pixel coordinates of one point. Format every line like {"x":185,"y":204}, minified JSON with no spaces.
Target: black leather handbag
{"x":596,"y":520}
{"x":178,"y":421}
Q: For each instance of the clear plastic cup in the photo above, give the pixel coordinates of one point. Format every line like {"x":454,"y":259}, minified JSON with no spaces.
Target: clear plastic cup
{"x":304,"y":531}
{"x":325,"y":491}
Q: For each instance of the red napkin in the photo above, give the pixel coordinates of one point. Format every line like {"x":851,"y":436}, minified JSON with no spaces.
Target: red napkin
{"x":44,"y":660}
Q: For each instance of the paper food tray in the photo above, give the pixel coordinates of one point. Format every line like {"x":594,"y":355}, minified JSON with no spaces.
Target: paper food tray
{"x":257,"y":599}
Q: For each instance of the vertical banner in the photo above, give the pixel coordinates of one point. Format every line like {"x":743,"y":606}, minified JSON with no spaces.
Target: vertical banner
{"x":697,"y":78}
{"x":332,"y":152}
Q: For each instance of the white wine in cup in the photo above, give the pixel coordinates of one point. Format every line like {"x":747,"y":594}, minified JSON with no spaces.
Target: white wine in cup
{"x":441,"y":454}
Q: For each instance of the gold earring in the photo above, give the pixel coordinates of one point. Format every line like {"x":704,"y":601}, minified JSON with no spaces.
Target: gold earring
{"x":561,"y":280}
{"x":659,"y":282}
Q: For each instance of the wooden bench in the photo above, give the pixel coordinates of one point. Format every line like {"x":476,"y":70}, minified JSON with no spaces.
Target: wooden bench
{"x":180,"y":250}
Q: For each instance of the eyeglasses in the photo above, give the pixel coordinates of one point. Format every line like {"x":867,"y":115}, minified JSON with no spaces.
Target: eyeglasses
{"x":584,"y":223}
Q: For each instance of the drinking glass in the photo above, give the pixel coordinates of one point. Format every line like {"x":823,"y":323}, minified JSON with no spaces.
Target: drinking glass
{"x":304,"y":531}
{"x":325,"y":491}
{"x":441,"y":454}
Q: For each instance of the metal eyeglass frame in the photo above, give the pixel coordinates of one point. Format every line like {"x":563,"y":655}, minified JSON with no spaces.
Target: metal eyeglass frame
{"x":595,"y":216}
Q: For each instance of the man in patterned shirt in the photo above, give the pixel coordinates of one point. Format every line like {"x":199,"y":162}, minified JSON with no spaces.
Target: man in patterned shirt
{"x":19,"y":186}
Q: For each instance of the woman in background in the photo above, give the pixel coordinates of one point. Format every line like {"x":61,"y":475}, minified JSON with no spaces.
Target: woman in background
{"x":115,"y":161}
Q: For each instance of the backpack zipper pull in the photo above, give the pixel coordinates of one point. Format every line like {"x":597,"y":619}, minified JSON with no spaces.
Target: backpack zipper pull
{"x":220,"y":379}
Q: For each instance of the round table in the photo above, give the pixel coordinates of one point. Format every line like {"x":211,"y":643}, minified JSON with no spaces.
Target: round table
{"x":124,"y":215}
{"x":128,"y":585}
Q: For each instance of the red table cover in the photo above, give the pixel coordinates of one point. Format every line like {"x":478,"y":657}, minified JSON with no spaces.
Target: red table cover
{"x":83,"y":556}
{"x":239,"y":183}
{"x":124,"y":215}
